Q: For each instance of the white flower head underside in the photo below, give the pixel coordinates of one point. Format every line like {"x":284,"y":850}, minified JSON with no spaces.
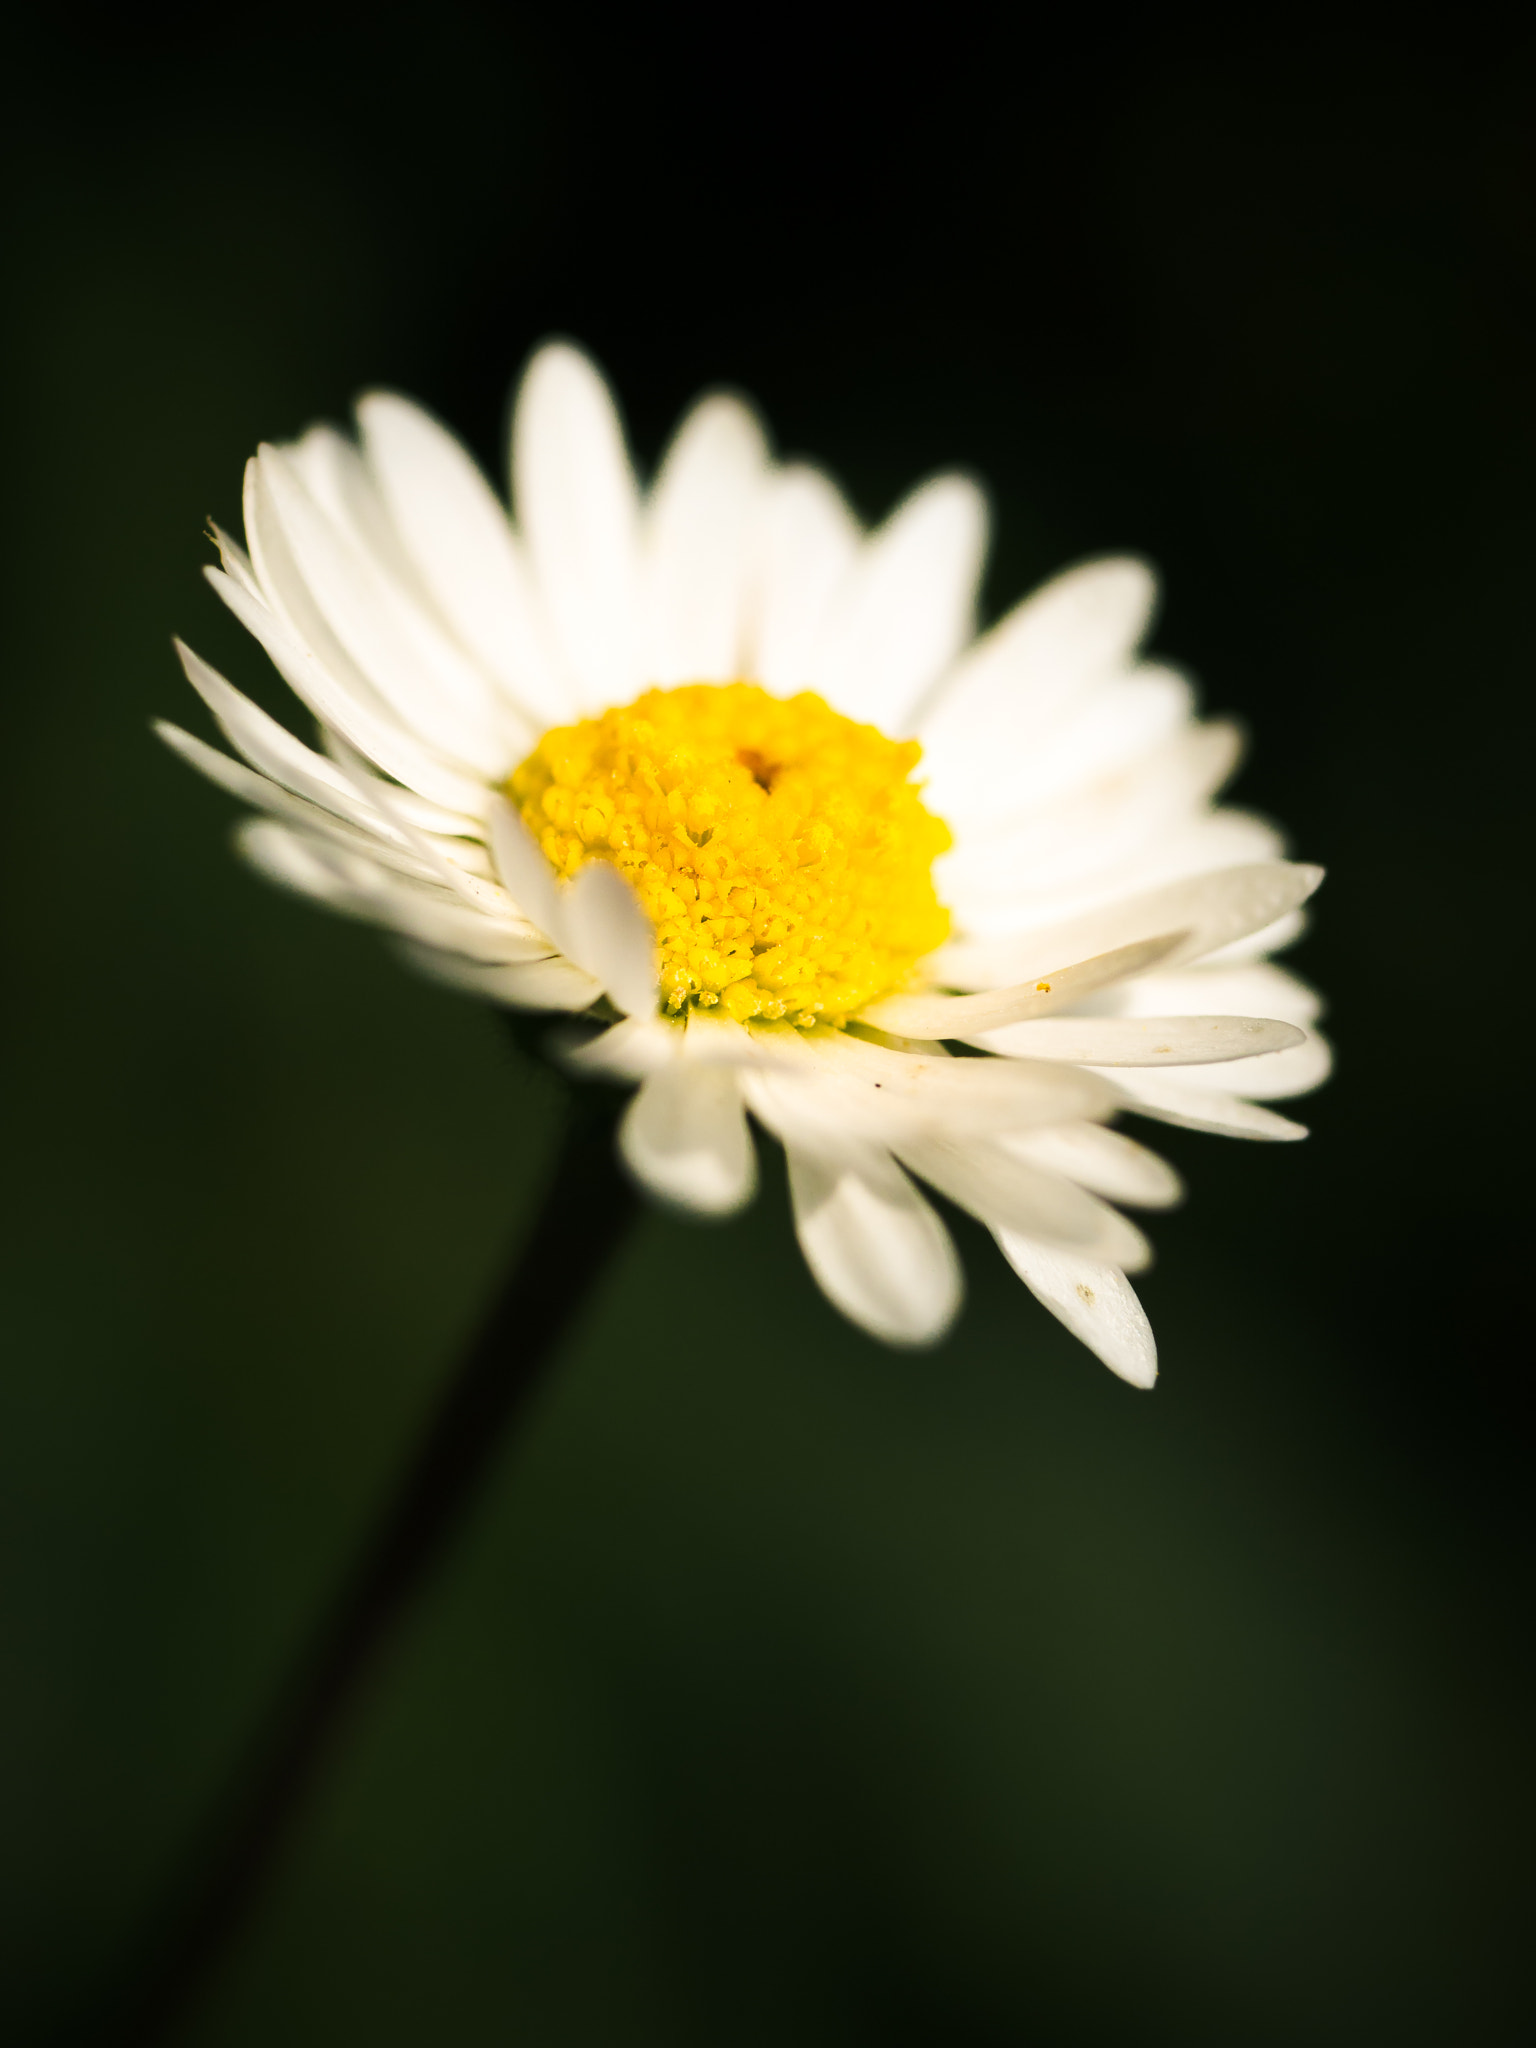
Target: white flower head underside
{"x":1112,"y":926}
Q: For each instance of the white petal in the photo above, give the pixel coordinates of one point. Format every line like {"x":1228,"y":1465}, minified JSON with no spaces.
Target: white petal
{"x":1211,"y":909}
{"x":446,"y":825}
{"x":359,"y":719}
{"x":365,"y":838}
{"x":908,"y":607}
{"x":1007,"y":1192}
{"x":1107,"y":1161}
{"x":685,"y":1137}
{"x":1260,"y":989}
{"x":476,"y":888}
{"x":1272,"y":938}
{"x":319,"y":455}
{"x":1021,"y":677}
{"x":1143,"y":1041}
{"x":526,"y":875}
{"x":1296,"y":1070}
{"x":1047,"y":989}
{"x":1116,"y":725}
{"x":1282,"y":1075}
{"x":1100,"y":825}
{"x":698,"y":526}
{"x":807,"y":543}
{"x":342,"y":486}
{"x":877,"y":1250}
{"x":1195,"y":845}
{"x":578,"y":508}
{"x":460,"y":540}
{"x":715,"y":1039}
{"x":363,"y":888}
{"x":1095,"y":1301}
{"x":888,"y":1094}
{"x":547,"y":984}
{"x":602,"y":927}
{"x":630,"y":1050}
{"x":338,"y":598}
{"x":642,"y":1045}
{"x":275,"y":753}
{"x":1177,"y":1099}
{"x":236,"y":562}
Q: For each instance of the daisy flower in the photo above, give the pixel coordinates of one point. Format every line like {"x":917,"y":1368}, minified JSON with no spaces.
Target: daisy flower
{"x":716,"y":770}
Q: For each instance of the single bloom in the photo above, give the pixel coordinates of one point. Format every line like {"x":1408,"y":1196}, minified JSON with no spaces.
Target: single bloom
{"x":733,"y":780}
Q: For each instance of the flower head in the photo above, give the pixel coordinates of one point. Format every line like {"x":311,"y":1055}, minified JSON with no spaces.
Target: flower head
{"x":736,"y":781}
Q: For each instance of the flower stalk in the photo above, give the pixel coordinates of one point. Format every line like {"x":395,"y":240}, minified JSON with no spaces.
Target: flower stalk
{"x":582,"y":1221}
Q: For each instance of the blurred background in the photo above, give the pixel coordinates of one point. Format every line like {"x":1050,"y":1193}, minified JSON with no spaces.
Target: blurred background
{"x":783,"y":1689}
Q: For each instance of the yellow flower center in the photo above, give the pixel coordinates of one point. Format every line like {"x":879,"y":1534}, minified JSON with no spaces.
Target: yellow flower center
{"x":782,"y":852}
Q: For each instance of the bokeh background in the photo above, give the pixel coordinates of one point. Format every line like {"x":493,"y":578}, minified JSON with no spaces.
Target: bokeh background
{"x":784,"y":1689}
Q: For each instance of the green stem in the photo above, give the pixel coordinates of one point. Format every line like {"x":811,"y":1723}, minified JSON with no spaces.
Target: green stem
{"x":582,"y":1220}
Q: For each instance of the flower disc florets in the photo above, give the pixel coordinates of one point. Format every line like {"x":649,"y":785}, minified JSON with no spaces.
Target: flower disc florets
{"x":782,"y":851}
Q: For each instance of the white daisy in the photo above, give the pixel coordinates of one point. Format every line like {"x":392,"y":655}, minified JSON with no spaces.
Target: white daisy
{"x":717,"y":769}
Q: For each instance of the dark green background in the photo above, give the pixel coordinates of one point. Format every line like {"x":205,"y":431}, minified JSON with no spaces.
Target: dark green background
{"x":785,"y":1690}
